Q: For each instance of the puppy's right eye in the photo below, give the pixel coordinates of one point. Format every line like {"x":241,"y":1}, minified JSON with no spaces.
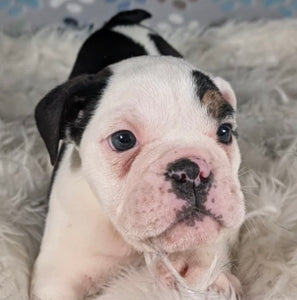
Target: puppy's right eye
{"x":122,"y":140}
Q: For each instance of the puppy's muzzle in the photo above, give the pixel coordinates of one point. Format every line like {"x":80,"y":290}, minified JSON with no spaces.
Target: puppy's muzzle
{"x":191,"y":179}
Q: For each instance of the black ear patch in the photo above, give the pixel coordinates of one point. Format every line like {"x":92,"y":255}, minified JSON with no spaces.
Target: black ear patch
{"x":66,"y":110}
{"x":128,"y":17}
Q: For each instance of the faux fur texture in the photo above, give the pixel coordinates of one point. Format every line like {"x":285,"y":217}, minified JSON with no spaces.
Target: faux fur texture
{"x":260,"y":61}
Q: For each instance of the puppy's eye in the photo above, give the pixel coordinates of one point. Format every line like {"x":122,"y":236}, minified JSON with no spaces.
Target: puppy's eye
{"x":122,"y":140}
{"x":224,"y":133}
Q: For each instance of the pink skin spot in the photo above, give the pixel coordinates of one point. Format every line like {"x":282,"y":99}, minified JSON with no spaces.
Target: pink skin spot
{"x":204,"y":169}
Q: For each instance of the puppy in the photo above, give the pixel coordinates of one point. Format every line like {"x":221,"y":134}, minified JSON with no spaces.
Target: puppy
{"x":149,"y":159}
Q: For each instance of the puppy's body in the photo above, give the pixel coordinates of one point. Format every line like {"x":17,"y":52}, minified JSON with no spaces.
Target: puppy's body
{"x":176,"y":189}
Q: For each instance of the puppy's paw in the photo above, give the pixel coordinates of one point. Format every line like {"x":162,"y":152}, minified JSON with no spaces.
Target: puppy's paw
{"x":227,"y":285}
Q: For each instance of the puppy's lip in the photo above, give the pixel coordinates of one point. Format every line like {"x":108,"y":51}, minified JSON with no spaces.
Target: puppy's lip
{"x":217,"y":219}
{"x":201,"y":212}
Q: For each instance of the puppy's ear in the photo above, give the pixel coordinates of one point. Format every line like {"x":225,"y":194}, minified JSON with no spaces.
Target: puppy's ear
{"x":226,"y":90}
{"x":65,"y":111}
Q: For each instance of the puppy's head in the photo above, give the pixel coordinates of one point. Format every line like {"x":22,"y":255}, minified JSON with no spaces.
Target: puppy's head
{"x":157,"y":143}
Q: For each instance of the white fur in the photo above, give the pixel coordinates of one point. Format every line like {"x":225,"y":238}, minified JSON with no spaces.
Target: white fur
{"x":267,"y":121}
{"x":139,"y":35}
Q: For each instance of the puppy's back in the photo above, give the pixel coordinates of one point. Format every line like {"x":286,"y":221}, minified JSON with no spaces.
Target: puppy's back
{"x":120,"y":38}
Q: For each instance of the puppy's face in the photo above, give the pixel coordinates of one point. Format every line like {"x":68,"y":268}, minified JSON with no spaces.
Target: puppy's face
{"x":160,"y":153}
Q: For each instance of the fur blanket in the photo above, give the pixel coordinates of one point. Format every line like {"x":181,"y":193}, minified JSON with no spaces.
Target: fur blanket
{"x":260,"y":61}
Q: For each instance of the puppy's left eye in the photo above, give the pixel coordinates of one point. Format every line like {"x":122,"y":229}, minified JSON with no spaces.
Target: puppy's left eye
{"x":224,"y":133}
{"x":122,"y":140}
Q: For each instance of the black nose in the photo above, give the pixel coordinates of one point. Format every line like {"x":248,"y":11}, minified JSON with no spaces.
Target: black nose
{"x":183,"y":170}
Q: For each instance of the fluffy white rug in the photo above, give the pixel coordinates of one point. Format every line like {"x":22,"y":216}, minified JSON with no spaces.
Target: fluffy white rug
{"x":260,"y":61}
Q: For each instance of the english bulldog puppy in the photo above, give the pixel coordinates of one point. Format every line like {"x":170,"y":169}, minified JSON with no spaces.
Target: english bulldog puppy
{"x":146,"y":157}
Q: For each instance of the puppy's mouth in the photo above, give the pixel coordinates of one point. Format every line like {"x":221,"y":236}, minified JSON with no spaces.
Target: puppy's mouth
{"x":190,"y":215}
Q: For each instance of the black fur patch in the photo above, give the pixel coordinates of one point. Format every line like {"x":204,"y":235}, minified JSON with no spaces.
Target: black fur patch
{"x":83,"y":105}
{"x":105,"y":46}
{"x":102,"y":49}
{"x":163,"y":47}
{"x":56,"y":166}
{"x":65,"y":111}
{"x":210,"y":96}
{"x":225,"y":110}
{"x":203,"y":83}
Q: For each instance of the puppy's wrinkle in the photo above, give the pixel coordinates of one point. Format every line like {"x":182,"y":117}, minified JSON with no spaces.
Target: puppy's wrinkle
{"x":124,"y":167}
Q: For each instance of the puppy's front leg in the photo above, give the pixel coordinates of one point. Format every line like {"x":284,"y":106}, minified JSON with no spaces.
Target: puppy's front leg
{"x":59,"y":278}
{"x":71,"y":278}
{"x":80,"y":250}
{"x":70,"y":271}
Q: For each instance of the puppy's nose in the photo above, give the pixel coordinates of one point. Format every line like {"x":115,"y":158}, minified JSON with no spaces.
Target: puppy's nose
{"x":184,"y":169}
